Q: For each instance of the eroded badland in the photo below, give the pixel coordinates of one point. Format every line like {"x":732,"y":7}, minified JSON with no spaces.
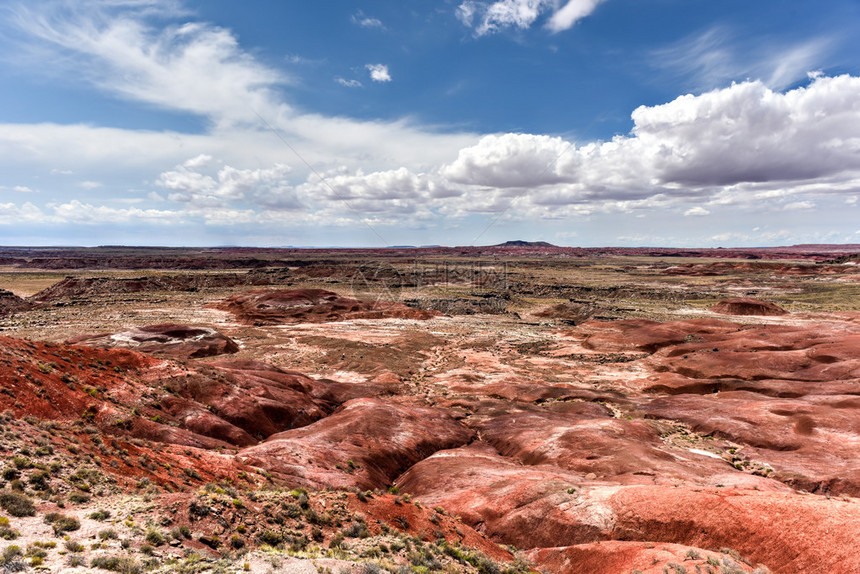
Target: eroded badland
{"x":509,"y":409}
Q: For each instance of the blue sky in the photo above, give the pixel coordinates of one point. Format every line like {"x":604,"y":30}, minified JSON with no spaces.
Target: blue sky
{"x":579,"y":122}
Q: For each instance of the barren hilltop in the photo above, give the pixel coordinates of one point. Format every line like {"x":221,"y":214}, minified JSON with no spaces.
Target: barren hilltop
{"x":514,"y":408}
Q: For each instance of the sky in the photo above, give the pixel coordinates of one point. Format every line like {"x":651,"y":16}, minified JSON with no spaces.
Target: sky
{"x":366,"y":123}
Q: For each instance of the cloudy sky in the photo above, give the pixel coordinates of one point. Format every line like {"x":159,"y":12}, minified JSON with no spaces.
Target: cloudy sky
{"x":455,"y":122}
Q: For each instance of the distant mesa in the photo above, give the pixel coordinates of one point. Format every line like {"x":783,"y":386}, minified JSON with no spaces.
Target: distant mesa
{"x":277,"y":306}
{"x":169,"y":339}
{"x":521,"y":243}
{"x":747,"y":306}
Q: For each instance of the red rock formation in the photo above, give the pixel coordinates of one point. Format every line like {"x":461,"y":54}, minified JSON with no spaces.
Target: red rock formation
{"x":747,"y":306}
{"x":544,"y":507}
{"x":168,"y":339}
{"x":272,"y":307}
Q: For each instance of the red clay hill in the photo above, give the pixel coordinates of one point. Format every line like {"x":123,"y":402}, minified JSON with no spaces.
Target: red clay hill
{"x":747,"y":306}
{"x":276,"y":306}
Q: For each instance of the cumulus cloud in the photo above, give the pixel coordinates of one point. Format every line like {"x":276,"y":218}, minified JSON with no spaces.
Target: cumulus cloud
{"x":379,"y":72}
{"x":11,"y":214}
{"x":743,"y":144}
{"x":491,"y":17}
{"x":22,"y":189}
{"x":509,"y":160}
{"x":267,"y":188}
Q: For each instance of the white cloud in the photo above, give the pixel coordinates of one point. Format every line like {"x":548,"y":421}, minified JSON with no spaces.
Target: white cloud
{"x":571,"y":13}
{"x":379,"y":72}
{"x":491,"y":17}
{"x":12,"y":214}
{"x":508,"y":160}
{"x":194,"y":67}
{"x":745,"y":145}
{"x":264,"y":188}
{"x":799,"y":206}
{"x":22,"y":189}
{"x":348,"y":83}
{"x":80,"y":213}
{"x":90,"y":184}
{"x":366,"y":22}
{"x":696,"y":211}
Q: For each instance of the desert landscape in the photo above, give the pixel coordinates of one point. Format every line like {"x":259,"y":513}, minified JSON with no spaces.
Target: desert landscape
{"x":514,"y":408}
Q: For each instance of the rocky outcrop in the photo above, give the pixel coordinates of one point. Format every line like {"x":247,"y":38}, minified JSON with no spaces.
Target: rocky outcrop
{"x":168,"y":339}
{"x":11,"y":303}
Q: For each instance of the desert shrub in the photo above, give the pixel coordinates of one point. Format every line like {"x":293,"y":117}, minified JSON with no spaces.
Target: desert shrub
{"x":36,"y":550}
{"x":108,"y":534}
{"x":74,"y":546}
{"x":100,"y":515}
{"x":154,"y":537}
{"x":336,"y":541}
{"x":237,"y":542}
{"x":76,"y":560}
{"x":17,"y":504}
{"x":121,"y":564}
{"x":11,"y":554}
{"x":356,"y":530}
{"x":40,"y":480}
{"x":79,"y":498}
{"x":10,"y":473}
{"x":6,"y":531}
{"x":270,"y":537}
{"x":62,"y":523}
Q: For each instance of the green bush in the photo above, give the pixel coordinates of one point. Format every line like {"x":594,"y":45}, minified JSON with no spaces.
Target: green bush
{"x":270,"y":537}
{"x":62,"y":523}
{"x":10,"y":473}
{"x":100,"y":515}
{"x":40,"y":480}
{"x":79,"y":498}
{"x":154,"y":537}
{"x":17,"y":504}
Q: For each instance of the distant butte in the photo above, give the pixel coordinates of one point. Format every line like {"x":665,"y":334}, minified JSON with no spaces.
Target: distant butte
{"x":521,"y":243}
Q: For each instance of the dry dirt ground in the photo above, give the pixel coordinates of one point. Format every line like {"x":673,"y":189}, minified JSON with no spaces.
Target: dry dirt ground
{"x":555,"y":414}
